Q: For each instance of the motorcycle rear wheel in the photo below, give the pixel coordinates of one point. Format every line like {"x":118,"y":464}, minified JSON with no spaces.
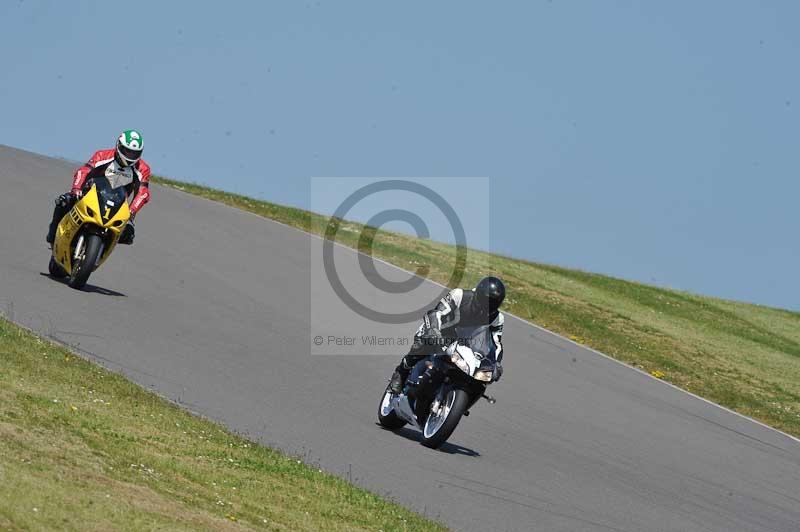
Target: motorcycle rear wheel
{"x":386,"y":415}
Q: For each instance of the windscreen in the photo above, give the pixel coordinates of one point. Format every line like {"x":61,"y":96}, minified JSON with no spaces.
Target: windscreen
{"x":479,"y":339}
{"x":119,"y":180}
{"x":111,"y":196}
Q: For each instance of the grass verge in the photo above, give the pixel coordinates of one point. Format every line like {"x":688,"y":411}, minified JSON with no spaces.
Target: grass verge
{"x":743,"y":356}
{"x":82,"y":448}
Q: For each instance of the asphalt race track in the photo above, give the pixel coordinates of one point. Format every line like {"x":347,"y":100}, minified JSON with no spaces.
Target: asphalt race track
{"x":216,"y":309}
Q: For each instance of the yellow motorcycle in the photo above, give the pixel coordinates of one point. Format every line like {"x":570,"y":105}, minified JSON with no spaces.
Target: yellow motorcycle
{"x":89,"y":232}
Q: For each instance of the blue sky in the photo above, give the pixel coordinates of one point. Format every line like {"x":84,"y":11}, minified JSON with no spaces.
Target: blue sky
{"x":656,"y":141}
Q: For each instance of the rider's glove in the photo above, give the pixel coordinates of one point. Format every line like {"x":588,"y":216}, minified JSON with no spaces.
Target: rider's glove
{"x":77,"y":192}
{"x":65,"y":199}
{"x":128,"y":233}
{"x":498,"y":372}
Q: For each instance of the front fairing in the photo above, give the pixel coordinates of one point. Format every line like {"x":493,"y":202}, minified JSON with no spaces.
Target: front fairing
{"x":104,"y":206}
{"x":112,"y":204}
{"x":474,"y":352}
{"x":103,"y":209}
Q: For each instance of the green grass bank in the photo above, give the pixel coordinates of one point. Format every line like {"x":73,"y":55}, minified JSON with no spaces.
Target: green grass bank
{"x":82,"y":448}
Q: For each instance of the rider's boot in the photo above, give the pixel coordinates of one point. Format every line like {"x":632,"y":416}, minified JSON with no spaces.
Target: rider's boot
{"x":63,"y":204}
{"x":51,"y":232}
{"x":399,"y":378}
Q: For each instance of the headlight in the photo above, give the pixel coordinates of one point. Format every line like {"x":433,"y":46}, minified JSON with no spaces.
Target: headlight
{"x":483,"y":375}
{"x":456,"y":359}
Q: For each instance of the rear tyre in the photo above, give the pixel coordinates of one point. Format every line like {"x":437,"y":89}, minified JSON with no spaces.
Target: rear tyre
{"x":386,"y":416}
{"x":84,"y":264}
{"x":440,"y":424}
{"x":56,"y":271}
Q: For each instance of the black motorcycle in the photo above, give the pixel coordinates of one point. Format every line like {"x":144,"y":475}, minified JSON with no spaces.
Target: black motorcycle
{"x":443,"y":387}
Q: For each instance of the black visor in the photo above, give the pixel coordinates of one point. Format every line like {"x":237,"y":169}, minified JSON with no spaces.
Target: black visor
{"x":132,"y":155}
{"x":489,"y":303}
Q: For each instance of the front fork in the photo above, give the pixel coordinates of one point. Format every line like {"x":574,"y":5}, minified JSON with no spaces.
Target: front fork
{"x":78,"y":248}
{"x":79,"y":245}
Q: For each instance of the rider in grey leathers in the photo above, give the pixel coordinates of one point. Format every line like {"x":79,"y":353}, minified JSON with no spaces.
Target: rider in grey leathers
{"x":479,"y":306}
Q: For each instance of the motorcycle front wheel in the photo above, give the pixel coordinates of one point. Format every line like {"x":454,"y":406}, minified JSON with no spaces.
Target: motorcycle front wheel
{"x":444,"y":417}
{"x":84,"y":264}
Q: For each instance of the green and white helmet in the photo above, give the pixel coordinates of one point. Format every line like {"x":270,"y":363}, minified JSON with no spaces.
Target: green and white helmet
{"x":129,"y":147}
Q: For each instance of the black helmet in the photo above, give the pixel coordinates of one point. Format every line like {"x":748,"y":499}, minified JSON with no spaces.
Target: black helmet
{"x":490,"y":293}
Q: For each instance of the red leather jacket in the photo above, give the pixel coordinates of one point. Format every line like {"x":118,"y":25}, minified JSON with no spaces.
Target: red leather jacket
{"x":98,"y":164}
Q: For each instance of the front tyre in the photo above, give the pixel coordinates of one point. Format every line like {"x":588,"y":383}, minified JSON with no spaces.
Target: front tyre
{"x":84,"y":264}
{"x":444,"y":417}
{"x":386,"y":415}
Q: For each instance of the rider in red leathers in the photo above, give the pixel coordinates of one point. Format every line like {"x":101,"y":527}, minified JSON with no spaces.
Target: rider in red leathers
{"x":125,"y":158}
